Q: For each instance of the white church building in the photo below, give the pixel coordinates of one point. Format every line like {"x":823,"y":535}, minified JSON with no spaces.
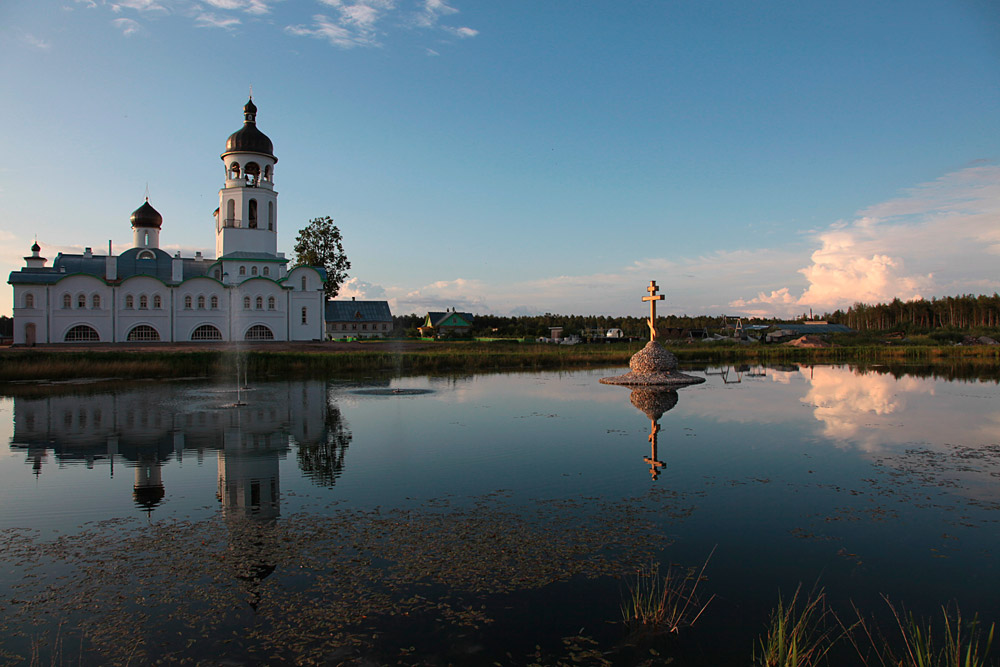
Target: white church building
{"x":143,"y":294}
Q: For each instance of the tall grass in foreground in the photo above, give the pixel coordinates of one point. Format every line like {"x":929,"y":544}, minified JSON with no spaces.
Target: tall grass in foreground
{"x":958,"y":643}
{"x":799,"y":634}
{"x":664,"y":603}
{"x":802,"y":633}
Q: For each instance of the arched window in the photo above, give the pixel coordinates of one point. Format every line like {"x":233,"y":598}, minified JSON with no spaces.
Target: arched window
{"x":142,"y":332}
{"x":95,"y":302}
{"x":29,"y":300}
{"x":252,"y":214}
{"x":230,"y":213}
{"x":206,"y":332}
{"x":243,"y":270}
{"x":157,"y":302}
{"x":67,"y":301}
{"x":267,"y":270}
{"x":252,"y":171}
{"x":267,"y":172}
{"x":270,"y":303}
{"x":218,"y":274}
{"x":305,"y":315}
{"x":270,"y":215}
{"x":234,"y":170}
{"x":246,"y":303}
{"x":146,"y":254}
{"x":303,"y":283}
{"x":81,"y":300}
{"x":129,"y":302}
{"x":81,"y":333}
{"x":260,"y":303}
{"x":143,"y":302}
{"x":215,"y":302}
{"x":253,"y":270}
{"x":259,"y":332}
{"x":201,"y":302}
{"x":187,"y":302}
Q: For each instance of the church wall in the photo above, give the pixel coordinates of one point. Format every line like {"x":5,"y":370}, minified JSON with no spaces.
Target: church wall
{"x":201,"y":291}
{"x":150,"y":306}
{"x":36,"y":316}
{"x":259,"y":291}
{"x":62,"y":319}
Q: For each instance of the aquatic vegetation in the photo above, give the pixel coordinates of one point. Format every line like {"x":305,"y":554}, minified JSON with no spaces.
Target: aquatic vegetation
{"x":799,"y":634}
{"x":667,"y":602}
{"x":958,"y":644}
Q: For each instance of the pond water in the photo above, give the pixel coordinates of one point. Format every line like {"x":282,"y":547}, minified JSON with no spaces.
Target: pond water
{"x":483,"y":519}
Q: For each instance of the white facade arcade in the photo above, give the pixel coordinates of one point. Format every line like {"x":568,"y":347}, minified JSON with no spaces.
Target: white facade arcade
{"x":245,"y":293}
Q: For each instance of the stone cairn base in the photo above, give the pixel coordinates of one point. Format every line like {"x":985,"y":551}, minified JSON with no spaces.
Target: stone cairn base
{"x":653,"y":366}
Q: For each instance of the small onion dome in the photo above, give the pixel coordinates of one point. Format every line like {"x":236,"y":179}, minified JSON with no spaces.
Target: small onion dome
{"x":35,"y":247}
{"x":249,"y":139}
{"x":146,"y":216}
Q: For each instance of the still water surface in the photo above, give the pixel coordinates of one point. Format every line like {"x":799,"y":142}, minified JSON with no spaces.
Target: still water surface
{"x":481,"y":519}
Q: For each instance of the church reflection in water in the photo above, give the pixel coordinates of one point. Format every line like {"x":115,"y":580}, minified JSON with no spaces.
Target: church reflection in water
{"x":653,"y":402}
{"x":146,"y":429}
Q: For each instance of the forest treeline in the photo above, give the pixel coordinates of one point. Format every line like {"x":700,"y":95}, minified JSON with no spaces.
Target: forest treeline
{"x":964,"y":312}
{"x":955,"y":312}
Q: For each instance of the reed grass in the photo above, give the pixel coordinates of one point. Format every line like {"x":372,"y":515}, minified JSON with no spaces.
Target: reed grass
{"x":799,"y":633}
{"x":664,"y":603}
{"x":955,"y":643}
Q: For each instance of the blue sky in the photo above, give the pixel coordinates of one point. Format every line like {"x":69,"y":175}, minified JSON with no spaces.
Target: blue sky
{"x":526,"y":157}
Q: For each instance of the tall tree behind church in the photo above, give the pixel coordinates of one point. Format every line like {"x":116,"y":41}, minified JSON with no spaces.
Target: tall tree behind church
{"x":319,"y":244}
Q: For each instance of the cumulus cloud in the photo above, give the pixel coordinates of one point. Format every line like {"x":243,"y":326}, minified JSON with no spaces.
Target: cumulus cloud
{"x":935,"y":239}
{"x":360,"y":289}
{"x":460,"y":294}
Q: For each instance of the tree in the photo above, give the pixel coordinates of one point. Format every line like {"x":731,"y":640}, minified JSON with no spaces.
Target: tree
{"x":319,"y":244}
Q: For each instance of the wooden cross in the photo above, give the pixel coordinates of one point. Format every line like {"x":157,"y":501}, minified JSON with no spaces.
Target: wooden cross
{"x":652,"y":299}
{"x":654,"y":464}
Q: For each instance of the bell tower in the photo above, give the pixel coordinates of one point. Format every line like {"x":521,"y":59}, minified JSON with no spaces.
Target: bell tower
{"x":247,"y":218}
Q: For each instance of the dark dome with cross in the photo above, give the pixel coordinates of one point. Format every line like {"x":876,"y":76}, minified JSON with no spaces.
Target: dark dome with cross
{"x":146,"y":216}
{"x":249,"y":139}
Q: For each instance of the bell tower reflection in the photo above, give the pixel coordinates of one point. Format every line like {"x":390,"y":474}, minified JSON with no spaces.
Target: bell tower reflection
{"x":653,"y":402}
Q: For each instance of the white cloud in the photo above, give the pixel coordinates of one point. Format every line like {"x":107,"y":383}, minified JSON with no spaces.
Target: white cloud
{"x":209,"y":20}
{"x":127,"y":26}
{"x":432,"y":11}
{"x":37,"y":42}
{"x":937,"y":239}
{"x":360,"y":289}
{"x":138,"y":5}
{"x":354,"y":27}
{"x":464,"y":33}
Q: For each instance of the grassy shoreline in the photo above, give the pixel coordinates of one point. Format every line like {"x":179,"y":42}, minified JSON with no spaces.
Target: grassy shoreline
{"x":149,"y":362}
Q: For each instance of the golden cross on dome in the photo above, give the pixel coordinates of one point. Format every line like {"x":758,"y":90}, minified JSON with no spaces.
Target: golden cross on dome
{"x":652,"y":299}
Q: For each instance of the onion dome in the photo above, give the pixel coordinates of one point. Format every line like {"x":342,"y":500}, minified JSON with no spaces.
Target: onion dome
{"x":35,"y":247}
{"x":249,"y":139}
{"x":146,"y":216}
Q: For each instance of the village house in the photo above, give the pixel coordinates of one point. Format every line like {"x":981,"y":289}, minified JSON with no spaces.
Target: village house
{"x":358,"y":319}
{"x":448,"y":323}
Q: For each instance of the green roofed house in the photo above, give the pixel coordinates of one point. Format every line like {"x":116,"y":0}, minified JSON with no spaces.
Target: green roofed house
{"x":358,"y":319}
{"x":449,"y":322}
